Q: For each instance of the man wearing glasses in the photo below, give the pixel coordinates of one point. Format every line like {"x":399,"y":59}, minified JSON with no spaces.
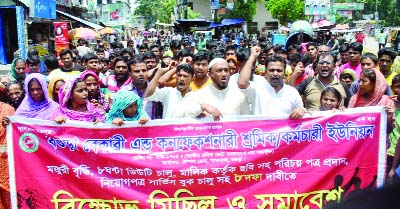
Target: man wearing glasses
{"x":311,"y":88}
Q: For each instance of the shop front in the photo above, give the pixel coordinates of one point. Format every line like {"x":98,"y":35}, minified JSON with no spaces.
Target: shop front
{"x":12,"y":33}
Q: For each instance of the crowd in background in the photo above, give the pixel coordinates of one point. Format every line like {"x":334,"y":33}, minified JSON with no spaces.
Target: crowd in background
{"x":178,"y":76}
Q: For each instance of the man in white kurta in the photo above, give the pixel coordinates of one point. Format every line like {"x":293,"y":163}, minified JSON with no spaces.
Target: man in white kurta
{"x":171,"y":98}
{"x":218,"y":99}
{"x":271,"y":97}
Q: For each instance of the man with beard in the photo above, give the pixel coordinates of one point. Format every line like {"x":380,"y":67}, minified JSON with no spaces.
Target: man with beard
{"x":355,"y":51}
{"x":120,"y":79}
{"x":138,"y":73}
{"x":171,"y":98}
{"x":200,"y":63}
{"x":311,"y":88}
{"x":270,"y":96}
{"x":217,"y":99}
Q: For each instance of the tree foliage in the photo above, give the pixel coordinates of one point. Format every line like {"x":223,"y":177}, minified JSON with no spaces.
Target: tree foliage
{"x":160,"y":10}
{"x":192,"y":14}
{"x":243,"y":9}
{"x":388,"y":10}
{"x":154,"y":10}
{"x":286,"y":10}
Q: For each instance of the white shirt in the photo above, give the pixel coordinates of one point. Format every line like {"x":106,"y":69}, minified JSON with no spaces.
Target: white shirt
{"x":233,"y":80}
{"x":267,"y":102}
{"x":171,"y":99}
{"x":229,"y":101}
{"x":83,"y":50}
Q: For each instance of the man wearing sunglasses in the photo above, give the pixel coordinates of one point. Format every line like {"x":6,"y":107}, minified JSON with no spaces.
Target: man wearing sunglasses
{"x":311,"y":88}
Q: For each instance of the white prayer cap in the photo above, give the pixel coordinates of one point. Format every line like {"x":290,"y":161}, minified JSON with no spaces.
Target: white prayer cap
{"x":214,"y":61}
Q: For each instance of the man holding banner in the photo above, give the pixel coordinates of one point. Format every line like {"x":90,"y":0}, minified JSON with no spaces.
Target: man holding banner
{"x":201,"y":165}
{"x":217,"y":99}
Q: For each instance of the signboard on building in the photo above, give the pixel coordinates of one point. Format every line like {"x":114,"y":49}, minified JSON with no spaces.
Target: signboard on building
{"x":279,"y":39}
{"x":116,"y":11}
{"x":214,"y":4}
{"x":66,"y":3}
{"x":348,"y":6}
{"x":43,"y":9}
{"x":230,"y":4}
{"x":61,"y":34}
{"x":346,"y":13}
{"x":317,"y":7}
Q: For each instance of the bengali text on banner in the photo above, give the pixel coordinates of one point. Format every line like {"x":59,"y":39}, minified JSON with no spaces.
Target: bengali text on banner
{"x":242,"y":163}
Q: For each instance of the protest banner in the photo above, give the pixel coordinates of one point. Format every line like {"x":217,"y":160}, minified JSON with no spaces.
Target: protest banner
{"x":250,"y":162}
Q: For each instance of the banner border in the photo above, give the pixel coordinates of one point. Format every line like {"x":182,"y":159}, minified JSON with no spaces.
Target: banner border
{"x":377,"y":109}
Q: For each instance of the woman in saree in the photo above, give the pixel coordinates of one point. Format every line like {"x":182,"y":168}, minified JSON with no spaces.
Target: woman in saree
{"x":74,"y":104}
{"x":36,"y":103}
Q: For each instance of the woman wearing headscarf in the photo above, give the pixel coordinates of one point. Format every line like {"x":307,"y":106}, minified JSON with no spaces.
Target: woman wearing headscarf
{"x":127,"y":106}
{"x":17,"y":70}
{"x":15,"y":93}
{"x":54,"y":86}
{"x":74,"y":104}
{"x":95,"y":96}
{"x":232,"y":64}
{"x":371,"y":93}
{"x":36,"y":103}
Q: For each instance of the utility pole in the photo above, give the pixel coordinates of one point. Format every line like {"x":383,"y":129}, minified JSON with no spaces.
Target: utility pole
{"x":185,"y":10}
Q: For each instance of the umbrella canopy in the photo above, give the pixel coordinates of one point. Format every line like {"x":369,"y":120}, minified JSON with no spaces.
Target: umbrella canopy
{"x":84,"y":33}
{"x":322,"y":23}
{"x":107,"y":30}
{"x":301,"y":26}
{"x":151,"y":30}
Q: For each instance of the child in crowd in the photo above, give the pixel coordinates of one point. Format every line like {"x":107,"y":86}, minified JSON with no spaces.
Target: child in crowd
{"x":348,"y":76}
{"x":127,"y":106}
{"x":330,"y":99}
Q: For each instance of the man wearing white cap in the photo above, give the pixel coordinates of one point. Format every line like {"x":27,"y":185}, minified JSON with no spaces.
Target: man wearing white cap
{"x":271,"y":97}
{"x":218,"y":99}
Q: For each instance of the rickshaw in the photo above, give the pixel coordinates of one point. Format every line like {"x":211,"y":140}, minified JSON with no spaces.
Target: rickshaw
{"x":301,"y":31}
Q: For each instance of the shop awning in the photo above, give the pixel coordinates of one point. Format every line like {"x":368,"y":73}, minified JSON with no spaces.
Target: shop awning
{"x":227,"y":22}
{"x":193,"y":23}
{"x":215,"y":25}
{"x":85,"y":22}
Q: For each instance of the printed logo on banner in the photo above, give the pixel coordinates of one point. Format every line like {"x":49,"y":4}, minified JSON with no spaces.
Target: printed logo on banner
{"x":29,"y":142}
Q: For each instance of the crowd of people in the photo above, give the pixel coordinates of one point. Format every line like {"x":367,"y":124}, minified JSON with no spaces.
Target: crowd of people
{"x":147,"y":81}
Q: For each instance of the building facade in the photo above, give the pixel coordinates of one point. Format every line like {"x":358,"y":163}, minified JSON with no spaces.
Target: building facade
{"x":262,"y":20}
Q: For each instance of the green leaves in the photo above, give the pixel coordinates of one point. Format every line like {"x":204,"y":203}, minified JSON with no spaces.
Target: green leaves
{"x":154,"y":10}
{"x":243,"y":10}
{"x":286,"y":10}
